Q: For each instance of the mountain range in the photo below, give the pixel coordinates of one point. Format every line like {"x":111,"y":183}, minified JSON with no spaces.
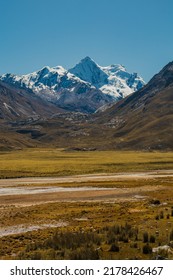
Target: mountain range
{"x":143,"y":120}
{"x":84,"y":88}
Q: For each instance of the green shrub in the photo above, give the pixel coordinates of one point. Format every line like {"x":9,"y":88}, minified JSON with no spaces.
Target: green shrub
{"x":147,"y":249}
{"x":145,"y":237}
{"x":114,"y":248}
{"x":161,"y":215}
{"x":152,"y":239}
{"x":171,"y":235}
{"x":172,"y":212}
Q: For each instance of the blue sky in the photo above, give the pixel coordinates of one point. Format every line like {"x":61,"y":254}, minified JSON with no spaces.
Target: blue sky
{"x":35,"y":33}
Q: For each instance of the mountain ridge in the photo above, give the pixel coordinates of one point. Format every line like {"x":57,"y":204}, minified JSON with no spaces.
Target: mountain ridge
{"x":141,"y":121}
{"x":69,"y":91}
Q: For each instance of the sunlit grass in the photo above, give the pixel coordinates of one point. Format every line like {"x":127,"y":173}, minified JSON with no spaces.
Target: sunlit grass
{"x":56,"y":162}
{"x":87,"y":217}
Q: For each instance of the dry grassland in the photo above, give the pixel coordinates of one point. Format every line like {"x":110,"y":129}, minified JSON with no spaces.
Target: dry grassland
{"x":124,"y":219}
{"x":57,"y":162}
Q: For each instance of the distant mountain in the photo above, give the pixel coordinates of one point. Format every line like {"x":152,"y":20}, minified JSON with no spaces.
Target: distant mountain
{"x":84,"y":88}
{"x":62,"y":88}
{"x":89,"y":71}
{"x":49,"y":83}
{"x":113,"y":80}
{"x":141,"y":121}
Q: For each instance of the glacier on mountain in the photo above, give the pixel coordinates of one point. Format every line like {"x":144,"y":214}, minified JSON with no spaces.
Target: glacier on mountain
{"x":87,"y":85}
{"x":113,"y":80}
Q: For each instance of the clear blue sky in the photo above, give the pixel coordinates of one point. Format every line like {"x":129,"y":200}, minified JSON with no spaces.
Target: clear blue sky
{"x":135,"y":33}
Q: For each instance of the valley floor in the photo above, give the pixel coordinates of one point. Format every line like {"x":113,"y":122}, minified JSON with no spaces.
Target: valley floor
{"x":127,"y":215}
{"x":95,"y":187}
{"x":57,"y":204}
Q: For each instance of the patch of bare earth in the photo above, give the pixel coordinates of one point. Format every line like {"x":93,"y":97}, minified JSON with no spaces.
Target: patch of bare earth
{"x":23,"y":228}
{"x":27,"y":192}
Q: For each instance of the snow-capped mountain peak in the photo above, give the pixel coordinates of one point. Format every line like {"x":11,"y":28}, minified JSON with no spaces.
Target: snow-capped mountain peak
{"x":48,"y":71}
{"x":113,"y":80}
{"x":88,"y":70}
{"x":87,"y":59}
{"x":87,"y":85}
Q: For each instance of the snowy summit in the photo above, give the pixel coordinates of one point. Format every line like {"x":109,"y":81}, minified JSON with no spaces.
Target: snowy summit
{"x":113,"y":79}
{"x":87,"y":85}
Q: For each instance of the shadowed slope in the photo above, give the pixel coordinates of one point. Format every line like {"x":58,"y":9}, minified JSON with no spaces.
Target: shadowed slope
{"x":145,"y":118}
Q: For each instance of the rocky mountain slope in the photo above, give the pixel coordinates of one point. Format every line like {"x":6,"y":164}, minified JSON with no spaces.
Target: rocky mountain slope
{"x":22,"y":108}
{"x":18,"y":104}
{"x":84,"y":91}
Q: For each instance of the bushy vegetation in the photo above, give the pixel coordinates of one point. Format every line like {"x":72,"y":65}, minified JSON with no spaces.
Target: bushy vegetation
{"x":90,"y":245}
{"x":66,"y":245}
{"x":112,"y":241}
{"x":81,"y":245}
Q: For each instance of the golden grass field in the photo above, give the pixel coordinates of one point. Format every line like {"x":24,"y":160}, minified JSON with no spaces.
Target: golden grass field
{"x":126,"y":221}
{"x":57,"y":162}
